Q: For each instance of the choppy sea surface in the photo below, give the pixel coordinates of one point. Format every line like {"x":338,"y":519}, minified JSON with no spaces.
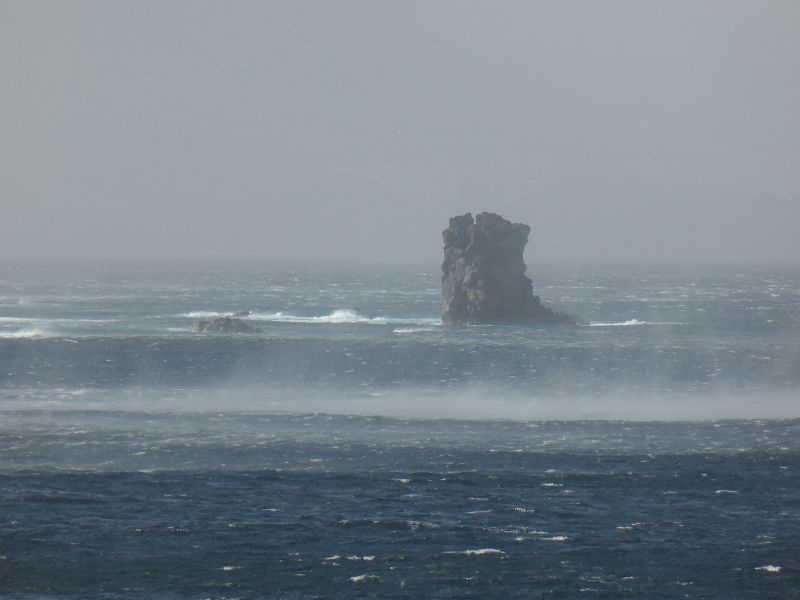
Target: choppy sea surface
{"x":354,"y":447}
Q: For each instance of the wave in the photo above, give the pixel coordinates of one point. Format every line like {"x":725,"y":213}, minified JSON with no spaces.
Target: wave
{"x":338,"y":316}
{"x":629,"y":323}
{"x":769,"y":569}
{"x":18,"y":320}
{"x":206,"y":314}
{"x":476,"y":552}
{"x":365,"y":578}
{"x":39,"y":327}
{"x":414,"y":329}
{"x":27,"y":333}
{"x":342,"y":315}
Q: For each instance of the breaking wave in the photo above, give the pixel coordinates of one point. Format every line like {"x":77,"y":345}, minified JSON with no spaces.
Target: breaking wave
{"x":630,"y":323}
{"x":414,"y":329}
{"x":476,"y":552}
{"x":205,"y":314}
{"x":21,"y":320}
{"x":27,"y":333}
{"x":338,"y":316}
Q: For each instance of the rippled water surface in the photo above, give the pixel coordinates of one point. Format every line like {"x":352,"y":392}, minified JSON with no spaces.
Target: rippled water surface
{"x":354,"y":447}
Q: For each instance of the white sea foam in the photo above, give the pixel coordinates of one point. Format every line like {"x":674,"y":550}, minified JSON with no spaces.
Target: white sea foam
{"x":26,"y":333}
{"x":555,"y":538}
{"x":770,"y":569}
{"x":629,"y":323}
{"x":476,"y":552}
{"x":414,"y":525}
{"x":29,"y":328}
{"x":366,"y":558}
{"x":364,"y":578}
{"x":338,"y":316}
{"x":205,"y":314}
{"x":54,"y":320}
{"x":720,"y":492}
{"x":414,"y":329}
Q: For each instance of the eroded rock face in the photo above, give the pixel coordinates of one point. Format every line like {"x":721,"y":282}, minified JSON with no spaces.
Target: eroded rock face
{"x":225,"y":325}
{"x":483,"y":275}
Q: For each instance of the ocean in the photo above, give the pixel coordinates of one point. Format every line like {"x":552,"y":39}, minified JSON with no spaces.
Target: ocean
{"x":354,"y":447}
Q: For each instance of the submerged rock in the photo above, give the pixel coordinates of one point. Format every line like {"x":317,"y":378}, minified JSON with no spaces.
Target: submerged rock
{"x":225,"y":325}
{"x":483,"y":275}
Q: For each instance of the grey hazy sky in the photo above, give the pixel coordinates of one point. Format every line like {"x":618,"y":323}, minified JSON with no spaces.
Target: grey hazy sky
{"x":640,"y":130}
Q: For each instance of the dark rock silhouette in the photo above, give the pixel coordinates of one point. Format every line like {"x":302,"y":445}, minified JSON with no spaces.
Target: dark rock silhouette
{"x":225,"y":325}
{"x":483,"y":275}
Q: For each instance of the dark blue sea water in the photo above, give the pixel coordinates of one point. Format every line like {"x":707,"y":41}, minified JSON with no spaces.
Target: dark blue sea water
{"x":357,"y":448}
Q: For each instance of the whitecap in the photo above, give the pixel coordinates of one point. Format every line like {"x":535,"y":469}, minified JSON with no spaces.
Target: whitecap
{"x":205,"y":314}
{"x":21,"y":320}
{"x":340,"y":316}
{"x":414,"y":329}
{"x":555,"y":538}
{"x":769,"y":568}
{"x":366,"y":558}
{"x":476,"y":552}
{"x":364,"y":578}
{"x":719,"y":492}
{"x":26,"y":333}
{"x":629,"y":323}
{"x":414,"y":525}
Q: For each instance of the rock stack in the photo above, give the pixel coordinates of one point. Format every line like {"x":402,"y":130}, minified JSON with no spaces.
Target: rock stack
{"x":231,"y":324}
{"x":483,"y":275}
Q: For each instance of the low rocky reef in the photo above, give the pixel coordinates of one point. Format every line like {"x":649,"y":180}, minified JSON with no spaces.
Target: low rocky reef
{"x":230,"y":324}
{"x":483,"y":275}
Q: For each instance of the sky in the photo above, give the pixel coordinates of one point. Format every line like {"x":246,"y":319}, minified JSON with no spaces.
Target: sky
{"x":620,"y":131}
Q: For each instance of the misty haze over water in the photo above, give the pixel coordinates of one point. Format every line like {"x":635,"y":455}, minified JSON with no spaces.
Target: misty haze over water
{"x":354,"y":444}
{"x":294,"y":164}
